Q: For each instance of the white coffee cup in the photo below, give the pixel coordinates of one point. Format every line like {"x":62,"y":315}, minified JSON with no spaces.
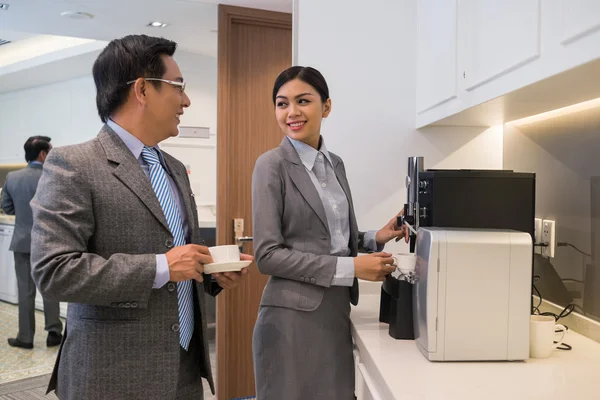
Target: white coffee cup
{"x":405,"y":262}
{"x":542,"y":335}
{"x":226,"y":253}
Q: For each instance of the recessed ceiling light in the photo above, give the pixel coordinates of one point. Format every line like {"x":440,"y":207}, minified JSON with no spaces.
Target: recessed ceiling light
{"x":76,"y":15}
{"x":4,"y":6}
{"x":157,"y":24}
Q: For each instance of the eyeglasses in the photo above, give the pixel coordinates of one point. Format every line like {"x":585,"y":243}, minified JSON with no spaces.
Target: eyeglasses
{"x":177,"y":84}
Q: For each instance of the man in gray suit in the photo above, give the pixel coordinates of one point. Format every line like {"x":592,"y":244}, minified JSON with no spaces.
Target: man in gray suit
{"x":18,"y":190}
{"x":120,"y":241}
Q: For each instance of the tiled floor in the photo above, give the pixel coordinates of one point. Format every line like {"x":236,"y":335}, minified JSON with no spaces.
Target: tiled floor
{"x":16,"y":364}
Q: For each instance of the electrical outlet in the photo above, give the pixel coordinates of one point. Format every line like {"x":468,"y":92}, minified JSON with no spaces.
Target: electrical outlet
{"x":548,"y":237}
{"x":537,"y":232}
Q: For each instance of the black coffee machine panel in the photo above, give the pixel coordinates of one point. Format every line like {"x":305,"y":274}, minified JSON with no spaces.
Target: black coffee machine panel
{"x":490,"y":199}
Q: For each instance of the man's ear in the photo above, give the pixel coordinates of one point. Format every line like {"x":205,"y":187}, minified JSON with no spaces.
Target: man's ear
{"x":140,"y":87}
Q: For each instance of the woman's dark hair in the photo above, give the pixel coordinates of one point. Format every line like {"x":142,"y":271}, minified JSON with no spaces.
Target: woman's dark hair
{"x":35,"y":145}
{"x":305,"y":74}
{"x":124,"y":60}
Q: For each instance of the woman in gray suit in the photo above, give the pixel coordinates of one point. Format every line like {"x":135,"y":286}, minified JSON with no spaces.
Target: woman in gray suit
{"x":306,"y":238}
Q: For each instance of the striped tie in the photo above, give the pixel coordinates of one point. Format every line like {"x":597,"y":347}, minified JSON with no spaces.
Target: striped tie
{"x":160,"y":184}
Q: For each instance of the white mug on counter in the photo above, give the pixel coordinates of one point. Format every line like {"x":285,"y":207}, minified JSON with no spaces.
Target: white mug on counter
{"x":542,"y":335}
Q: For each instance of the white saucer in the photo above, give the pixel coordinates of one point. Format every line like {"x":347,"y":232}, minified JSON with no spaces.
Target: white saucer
{"x":226,"y":266}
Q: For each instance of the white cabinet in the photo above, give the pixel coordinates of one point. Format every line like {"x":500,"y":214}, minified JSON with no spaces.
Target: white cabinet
{"x":8,"y":277}
{"x":365,"y":386}
{"x":436,"y":53}
{"x":498,"y":37}
{"x":485,"y":62}
{"x":580,"y":19}
{"x":367,"y":389}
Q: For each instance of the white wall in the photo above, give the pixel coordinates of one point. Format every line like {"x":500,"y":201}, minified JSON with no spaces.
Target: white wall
{"x":565,"y":160}
{"x":66,"y":111}
{"x":367,"y":53}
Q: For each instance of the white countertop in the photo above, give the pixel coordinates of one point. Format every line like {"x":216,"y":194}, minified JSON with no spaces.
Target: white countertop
{"x":7,"y":219}
{"x":400,"y":371}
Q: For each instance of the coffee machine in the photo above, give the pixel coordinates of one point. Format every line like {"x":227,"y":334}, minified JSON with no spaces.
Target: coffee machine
{"x":472,"y":199}
{"x":472,"y":294}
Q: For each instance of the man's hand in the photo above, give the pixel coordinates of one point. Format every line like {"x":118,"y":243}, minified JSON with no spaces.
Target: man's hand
{"x":373,"y":267}
{"x":187,"y":262}
{"x":229,"y":280}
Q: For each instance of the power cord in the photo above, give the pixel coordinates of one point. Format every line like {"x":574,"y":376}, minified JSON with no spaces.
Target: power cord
{"x":564,"y":313}
{"x":562,"y":244}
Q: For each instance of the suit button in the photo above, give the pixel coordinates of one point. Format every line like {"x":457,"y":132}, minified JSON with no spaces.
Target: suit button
{"x":169,"y":243}
{"x":127,"y":305}
{"x":134,"y":304}
{"x":121,"y":305}
{"x":201,"y":242}
{"x":175,"y":327}
{"x":171,"y":287}
{"x":313,"y":280}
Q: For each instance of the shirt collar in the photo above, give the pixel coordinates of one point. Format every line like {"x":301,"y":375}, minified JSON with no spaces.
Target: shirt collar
{"x":308,"y":154}
{"x":134,"y":144}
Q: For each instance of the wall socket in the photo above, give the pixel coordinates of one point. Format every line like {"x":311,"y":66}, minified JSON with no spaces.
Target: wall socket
{"x":548,"y":237}
{"x":537,"y":239}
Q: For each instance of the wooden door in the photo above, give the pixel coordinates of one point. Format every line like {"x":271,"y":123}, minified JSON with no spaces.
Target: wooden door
{"x":254,"y":47}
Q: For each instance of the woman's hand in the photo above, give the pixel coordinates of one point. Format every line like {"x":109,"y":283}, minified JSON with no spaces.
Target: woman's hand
{"x":229,"y":280}
{"x":373,"y":267}
{"x":391,"y":230}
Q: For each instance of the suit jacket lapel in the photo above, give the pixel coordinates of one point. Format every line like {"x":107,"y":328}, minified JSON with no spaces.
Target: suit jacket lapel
{"x":130,"y":172}
{"x":300,"y":177}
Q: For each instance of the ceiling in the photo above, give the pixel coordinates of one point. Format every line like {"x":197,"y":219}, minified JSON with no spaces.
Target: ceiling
{"x":192,"y":23}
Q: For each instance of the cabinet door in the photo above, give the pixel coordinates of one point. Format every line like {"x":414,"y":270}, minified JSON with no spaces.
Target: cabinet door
{"x":436,"y":53}
{"x":357,"y":382}
{"x":497,"y":37}
{"x":580,"y":19}
{"x":368,"y":389}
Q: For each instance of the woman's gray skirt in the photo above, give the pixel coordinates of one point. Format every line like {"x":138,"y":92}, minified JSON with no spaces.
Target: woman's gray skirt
{"x":305,"y":355}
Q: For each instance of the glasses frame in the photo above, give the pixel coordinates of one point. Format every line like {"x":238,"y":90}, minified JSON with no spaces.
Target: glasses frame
{"x":179,"y":85}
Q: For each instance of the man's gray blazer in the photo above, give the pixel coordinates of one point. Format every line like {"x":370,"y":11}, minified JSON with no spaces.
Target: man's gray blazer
{"x":18,"y":190}
{"x":98,"y":226}
{"x":291,"y":236}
